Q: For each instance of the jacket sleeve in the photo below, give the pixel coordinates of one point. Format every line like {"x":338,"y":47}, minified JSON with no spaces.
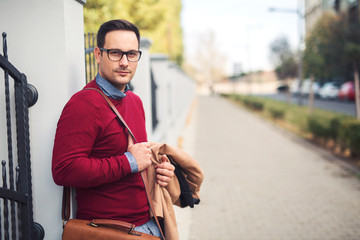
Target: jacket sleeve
{"x":72,"y":163}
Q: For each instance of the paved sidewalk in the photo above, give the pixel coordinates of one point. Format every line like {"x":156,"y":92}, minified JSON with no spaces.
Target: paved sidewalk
{"x":262,"y":183}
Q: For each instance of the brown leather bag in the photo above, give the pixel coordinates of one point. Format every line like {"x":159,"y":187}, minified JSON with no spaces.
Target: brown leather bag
{"x":99,"y":229}
{"x":104,"y":229}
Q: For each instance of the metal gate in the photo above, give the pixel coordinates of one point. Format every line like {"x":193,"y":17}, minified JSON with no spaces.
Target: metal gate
{"x":16,"y":209}
{"x":91,"y":66}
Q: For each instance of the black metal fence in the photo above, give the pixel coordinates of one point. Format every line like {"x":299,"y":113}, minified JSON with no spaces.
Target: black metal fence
{"x":16,"y":208}
{"x":91,"y":66}
{"x":154,"y":115}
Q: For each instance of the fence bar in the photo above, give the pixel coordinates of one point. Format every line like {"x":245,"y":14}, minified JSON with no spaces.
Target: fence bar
{"x":20,"y":199}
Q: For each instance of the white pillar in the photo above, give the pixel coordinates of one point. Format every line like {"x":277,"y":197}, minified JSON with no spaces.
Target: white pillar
{"x":142,"y":83}
{"x":46,"y":42}
{"x":161,"y":73}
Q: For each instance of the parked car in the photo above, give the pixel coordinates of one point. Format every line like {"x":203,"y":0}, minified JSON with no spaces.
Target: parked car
{"x":305,"y":87}
{"x":282,"y":88}
{"x":294,"y":87}
{"x":316,"y":89}
{"x":347,"y":91}
{"x":329,"y":90}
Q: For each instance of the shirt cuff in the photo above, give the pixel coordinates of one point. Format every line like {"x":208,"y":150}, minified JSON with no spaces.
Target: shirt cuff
{"x":132,"y":162}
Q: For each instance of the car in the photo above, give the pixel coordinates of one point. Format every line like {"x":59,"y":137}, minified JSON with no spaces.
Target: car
{"x":282,"y":88}
{"x":305,"y":87}
{"x":294,"y":87}
{"x":347,"y":91}
{"x":329,"y":90}
{"x":316,"y":88}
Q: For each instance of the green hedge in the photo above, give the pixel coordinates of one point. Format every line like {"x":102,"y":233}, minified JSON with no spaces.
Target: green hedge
{"x":342,"y":129}
{"x":253,"y":104}
{"x":276,"y":112}
{"x":349,"y":136}
{"x":324,"y":126}
{"x":319,"y":127}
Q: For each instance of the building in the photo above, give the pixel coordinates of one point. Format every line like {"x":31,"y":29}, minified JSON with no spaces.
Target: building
{"x":315,"y":8}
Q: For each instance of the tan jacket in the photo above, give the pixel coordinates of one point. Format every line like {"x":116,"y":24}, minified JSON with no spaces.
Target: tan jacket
{"x":164,"y":198}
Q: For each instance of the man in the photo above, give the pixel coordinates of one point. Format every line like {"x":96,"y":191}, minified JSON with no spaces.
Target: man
{"x":92,"y":149}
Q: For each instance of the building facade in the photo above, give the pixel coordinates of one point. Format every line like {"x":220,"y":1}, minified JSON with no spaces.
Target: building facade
{"x":315,"y":8}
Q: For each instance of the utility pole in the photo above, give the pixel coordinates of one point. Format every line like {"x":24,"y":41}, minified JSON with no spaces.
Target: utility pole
{"x":301,"y":39}
{"x":300,"y":19}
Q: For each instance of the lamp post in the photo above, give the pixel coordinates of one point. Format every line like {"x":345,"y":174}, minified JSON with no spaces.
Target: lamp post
{"x":301,"y":39}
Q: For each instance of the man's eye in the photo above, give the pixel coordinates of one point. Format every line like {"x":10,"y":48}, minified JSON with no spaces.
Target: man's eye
{"x":132,"y":54}
{"x":115,"y":53}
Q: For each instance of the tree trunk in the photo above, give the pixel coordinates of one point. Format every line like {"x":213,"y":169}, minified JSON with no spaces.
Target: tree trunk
{"x":288,"y":93}
{"x":357,"y":89}
{"x":311,"y":95}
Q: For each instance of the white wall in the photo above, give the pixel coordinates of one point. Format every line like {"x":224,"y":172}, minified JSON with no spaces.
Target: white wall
{"x":141,"y":82}
{"x":175,"y":92}
{"x":45,"y":41}
{"x":160,"y":66}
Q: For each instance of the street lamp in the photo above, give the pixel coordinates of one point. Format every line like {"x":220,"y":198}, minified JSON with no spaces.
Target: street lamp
{"x":300,"y":34}
{"x":287,"y":10}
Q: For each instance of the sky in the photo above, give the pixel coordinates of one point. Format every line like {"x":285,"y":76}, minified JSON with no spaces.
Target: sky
{"x":244,"y":30}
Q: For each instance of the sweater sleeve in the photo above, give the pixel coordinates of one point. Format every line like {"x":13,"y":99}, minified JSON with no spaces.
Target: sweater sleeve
{"x":73,"y":164}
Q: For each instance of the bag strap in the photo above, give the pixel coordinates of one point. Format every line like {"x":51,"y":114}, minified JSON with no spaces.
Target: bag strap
{"x":66,"y":192}
{"x":65,"y":211}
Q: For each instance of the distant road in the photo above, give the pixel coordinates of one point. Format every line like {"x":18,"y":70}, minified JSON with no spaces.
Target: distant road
{"x":331,"y":105}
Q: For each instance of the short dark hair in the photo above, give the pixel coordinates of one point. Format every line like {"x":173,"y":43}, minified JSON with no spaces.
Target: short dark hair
{"x":112,"y":25}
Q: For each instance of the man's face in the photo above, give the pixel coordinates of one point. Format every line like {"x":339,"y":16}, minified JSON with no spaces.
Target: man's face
{"x":118,"y":73}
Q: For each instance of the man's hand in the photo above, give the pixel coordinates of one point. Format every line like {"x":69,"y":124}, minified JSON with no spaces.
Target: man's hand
{"x":141,"y":152}
{"x":164,"y":171}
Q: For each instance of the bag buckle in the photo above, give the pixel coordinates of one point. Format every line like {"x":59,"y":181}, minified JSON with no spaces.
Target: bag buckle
{"x":93,"y":224}
{"x":133,"y":232}
{"x":64,"y":222}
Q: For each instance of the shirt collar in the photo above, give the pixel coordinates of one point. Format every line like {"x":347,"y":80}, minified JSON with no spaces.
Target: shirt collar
{"x":109,"y":89}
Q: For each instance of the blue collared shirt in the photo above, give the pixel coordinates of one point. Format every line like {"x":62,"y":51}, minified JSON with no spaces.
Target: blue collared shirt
{"x":111,"y":91}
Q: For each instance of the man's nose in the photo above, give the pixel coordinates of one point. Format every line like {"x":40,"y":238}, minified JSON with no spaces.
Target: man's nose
{"x":123,"y":61}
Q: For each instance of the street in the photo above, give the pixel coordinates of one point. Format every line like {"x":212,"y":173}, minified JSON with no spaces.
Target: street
{"x":347,"y":108}
{"x":263,"y":183}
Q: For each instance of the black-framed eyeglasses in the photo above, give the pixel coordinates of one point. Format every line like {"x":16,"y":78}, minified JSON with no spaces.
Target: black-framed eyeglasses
{"x":116,"y":55}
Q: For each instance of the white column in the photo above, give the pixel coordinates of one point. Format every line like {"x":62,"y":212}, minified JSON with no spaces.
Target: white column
{"x":45,"y":41}
{"x":142,"y":83}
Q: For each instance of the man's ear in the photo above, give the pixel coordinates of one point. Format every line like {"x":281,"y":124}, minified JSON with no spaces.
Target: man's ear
{"x":97,"y":54}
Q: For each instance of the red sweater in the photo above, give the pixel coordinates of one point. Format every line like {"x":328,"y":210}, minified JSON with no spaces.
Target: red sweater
{"x":88,"y":154}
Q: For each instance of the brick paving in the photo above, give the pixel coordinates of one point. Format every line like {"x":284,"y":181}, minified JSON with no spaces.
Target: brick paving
{"x":262,"y":183}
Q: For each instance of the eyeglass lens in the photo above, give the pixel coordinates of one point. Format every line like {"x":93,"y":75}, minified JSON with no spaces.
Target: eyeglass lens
{"x":116,"y":55}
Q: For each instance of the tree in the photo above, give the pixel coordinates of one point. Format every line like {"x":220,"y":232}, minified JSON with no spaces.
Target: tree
{"x":324,"y":56}
{"x":333,"y":49}
{"x":208,"y":63}
{"x":158,"y":20}
{"x":352,"y":50}
{"x":284,"y":58}
{"x":285,"y":62}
